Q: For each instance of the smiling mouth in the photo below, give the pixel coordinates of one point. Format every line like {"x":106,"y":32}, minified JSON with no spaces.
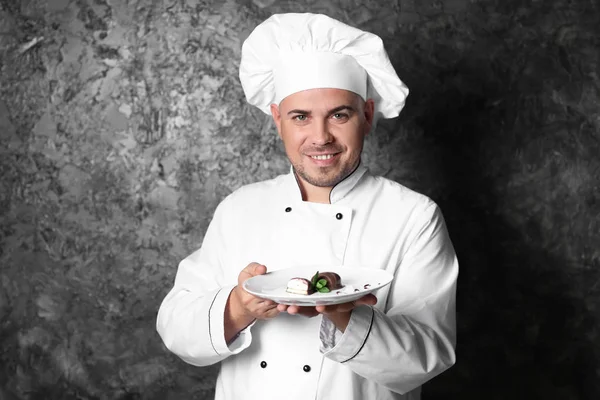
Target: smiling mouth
{"x":323,"y":157}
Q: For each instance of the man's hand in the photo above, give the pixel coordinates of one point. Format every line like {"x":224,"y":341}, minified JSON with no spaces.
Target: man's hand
{"x":306,"y":311}
{"x":243,"y":308}
{"x":253,"y":306}
{"x":339,"y":314}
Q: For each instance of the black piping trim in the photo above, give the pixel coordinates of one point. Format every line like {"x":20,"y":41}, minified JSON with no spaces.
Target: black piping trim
{"x":209,"y":333}
{"x":297,"y":183}
{"x":333,"y":187}
{"x":349,"y":175}
{"x":366,"y":338}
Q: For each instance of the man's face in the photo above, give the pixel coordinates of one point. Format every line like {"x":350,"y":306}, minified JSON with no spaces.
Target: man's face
{"x":323,"y":131}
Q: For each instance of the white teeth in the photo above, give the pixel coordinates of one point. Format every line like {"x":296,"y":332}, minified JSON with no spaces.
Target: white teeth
{"x":324,"y":157}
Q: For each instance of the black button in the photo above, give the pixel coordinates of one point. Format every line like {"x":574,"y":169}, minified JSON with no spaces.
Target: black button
{"x":288,"y":209}
{"x":263,"y":364}
{"x":339,"y":216}
{"x":306,"y":368}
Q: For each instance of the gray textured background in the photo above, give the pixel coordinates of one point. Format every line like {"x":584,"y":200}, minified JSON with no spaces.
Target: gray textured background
{"x":123,"y":124}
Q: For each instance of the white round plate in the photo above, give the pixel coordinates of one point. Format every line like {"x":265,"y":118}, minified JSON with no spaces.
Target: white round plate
{"x":356,"y":282}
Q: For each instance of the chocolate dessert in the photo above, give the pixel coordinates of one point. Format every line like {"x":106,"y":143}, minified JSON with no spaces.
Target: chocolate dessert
{"x":333,"y":280}
{"x":323,"y":282}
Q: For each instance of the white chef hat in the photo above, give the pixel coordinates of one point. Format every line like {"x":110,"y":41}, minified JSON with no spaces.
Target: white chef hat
{"x":289,"y":53}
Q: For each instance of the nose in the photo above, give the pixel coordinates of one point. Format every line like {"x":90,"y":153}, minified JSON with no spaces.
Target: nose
{"x":321,"y":134}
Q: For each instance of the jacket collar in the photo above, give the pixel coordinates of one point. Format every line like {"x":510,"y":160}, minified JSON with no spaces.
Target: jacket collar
{"x":339,"y":191}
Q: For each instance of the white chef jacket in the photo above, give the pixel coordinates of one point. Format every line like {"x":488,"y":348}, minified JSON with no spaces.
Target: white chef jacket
{"x":386,"y":352}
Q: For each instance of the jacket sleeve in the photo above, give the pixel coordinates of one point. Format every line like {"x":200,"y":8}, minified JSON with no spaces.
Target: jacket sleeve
{"x":190,"y":318}
{"x":414,"y":339}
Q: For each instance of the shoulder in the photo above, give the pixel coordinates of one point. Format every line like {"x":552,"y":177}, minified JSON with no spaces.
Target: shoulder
{"x":407,"y":209}
{"x":255,"y":192}
{"x":395,"y":194}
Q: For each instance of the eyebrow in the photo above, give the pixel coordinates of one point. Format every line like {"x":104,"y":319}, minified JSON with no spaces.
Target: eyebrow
{"x":332,"y":111}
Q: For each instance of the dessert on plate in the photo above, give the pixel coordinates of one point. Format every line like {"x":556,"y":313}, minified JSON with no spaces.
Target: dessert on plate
{"x":300,"y":286}
{"x":323,"y":282}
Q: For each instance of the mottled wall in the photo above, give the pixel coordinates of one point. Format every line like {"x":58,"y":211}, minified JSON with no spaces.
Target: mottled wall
{"x":123,"y":124}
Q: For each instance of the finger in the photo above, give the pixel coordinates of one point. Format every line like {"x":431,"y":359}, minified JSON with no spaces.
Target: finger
{"x":321,"y":309}
{"x":265,"y":306}
{"x":305,"y":311}
{"x":282,"y":307}
{"x":272,"y":313}
{"x":270,"y":304}
{"x":251,"y":270}
{"x":259,"y":269}
{"x":257,"y":305}
{"x":368,"y":299}
{"x":249,"y":300}
{"x":343,"y":307}
{"x":293,"y":309}
{"x":330,"y":308}
{"x":266,"y":302}
{"x":308,"y":312}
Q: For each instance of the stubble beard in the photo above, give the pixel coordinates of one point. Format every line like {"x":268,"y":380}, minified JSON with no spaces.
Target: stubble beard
{"x":323,"y":179}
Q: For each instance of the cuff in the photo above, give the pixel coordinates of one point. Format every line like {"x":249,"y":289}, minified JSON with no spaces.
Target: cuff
{"x":329,"y":335}
{"x":216,"y":327}
{"x":354,"y":337}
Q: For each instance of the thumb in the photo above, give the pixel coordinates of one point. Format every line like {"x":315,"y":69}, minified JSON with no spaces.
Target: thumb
{"x":259,"y":269}
{"x":251,"y":270}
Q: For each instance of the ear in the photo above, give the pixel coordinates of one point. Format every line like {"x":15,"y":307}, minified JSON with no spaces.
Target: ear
{"x":276,"y":117}
{"x":369,"y":111}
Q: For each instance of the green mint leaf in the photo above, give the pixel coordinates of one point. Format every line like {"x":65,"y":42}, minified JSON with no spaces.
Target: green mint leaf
{"x":324,"y":289}
{"x":313,"y":281}
{"x":322,"y":282}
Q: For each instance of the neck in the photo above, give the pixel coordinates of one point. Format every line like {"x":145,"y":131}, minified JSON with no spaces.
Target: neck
{"x":313,"y":194}
{"x":317,"y":194}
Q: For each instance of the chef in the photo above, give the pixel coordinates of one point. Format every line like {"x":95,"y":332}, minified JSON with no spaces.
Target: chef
{"x":325,"y":84}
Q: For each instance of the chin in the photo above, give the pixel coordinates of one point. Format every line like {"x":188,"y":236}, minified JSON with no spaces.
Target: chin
{"x":324,"y":180}
{"x":323,"y":176}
